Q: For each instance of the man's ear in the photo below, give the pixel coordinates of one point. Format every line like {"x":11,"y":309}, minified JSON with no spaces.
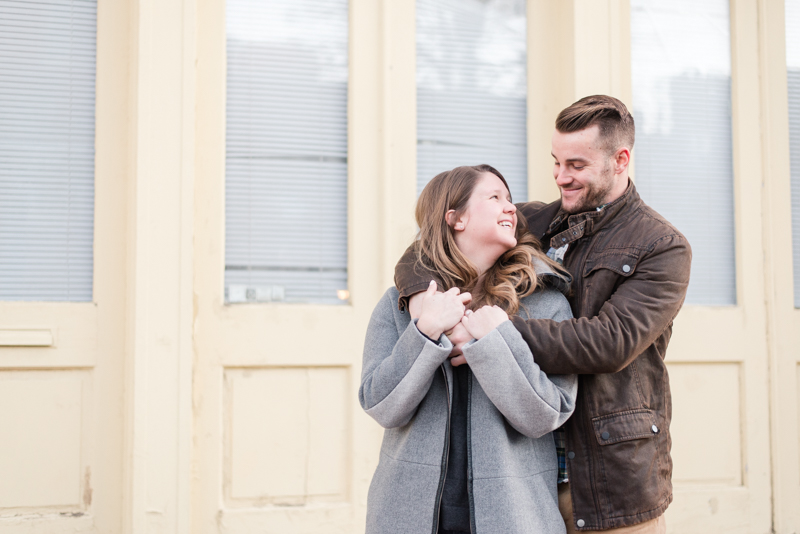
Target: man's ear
{"x":622,"y":158}
{"x":456,"y":223}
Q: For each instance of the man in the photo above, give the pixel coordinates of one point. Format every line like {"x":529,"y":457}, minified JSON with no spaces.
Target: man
{"x":630,"y":270}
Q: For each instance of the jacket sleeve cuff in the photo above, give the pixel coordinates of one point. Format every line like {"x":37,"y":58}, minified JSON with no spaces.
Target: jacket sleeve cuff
{"x":492,"y":337}
{"x":409,"y":291}
{"x":443,"y":340}
{"x":411,"y":276}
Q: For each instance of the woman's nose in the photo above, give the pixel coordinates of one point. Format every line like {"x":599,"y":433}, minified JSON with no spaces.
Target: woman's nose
{"x":510,"y":208}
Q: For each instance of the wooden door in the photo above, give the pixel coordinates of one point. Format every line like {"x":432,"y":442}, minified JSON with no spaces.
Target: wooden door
{"x":718,"y":357}
{"x":280,"y":441}
{"x":61,"y":363}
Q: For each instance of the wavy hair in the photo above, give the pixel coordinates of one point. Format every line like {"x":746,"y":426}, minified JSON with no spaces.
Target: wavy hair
{"x":511,"y":277}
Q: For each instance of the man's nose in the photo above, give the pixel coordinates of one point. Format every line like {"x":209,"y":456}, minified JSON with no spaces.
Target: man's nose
{"x":561,"y":176}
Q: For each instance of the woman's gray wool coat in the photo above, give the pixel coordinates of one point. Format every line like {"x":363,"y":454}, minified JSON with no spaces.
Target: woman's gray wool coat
{"x":406,"y":386}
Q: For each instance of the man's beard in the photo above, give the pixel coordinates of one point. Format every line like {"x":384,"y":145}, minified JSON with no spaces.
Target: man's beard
{"x":594,"y":194}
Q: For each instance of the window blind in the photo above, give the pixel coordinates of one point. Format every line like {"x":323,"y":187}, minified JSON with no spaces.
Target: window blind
{"x":286,"y":151}
{"x":47,"y":92}
{"x":472,"y":88}
{"x":681,"y":66}
{"x":793,"y":79}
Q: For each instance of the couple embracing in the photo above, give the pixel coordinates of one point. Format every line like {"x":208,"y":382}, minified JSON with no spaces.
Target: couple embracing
{"x":518,"y":364}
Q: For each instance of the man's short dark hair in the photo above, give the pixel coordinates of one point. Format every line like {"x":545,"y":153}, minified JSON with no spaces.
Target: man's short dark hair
{"x":608,"y":113}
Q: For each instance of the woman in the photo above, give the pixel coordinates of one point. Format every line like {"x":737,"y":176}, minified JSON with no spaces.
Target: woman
{"x":467,"y":447}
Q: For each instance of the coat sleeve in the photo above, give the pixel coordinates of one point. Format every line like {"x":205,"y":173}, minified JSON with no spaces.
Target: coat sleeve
{"x":397,"y":369}
{"x":531,"y":401}
{"x":638,"y":312}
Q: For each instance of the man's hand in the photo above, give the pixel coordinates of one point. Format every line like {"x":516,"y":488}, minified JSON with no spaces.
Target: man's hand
{"x":415,"y":304}
{"x":441,"y":311}
{"x":483,"y":321}
{"x":458,"y":337}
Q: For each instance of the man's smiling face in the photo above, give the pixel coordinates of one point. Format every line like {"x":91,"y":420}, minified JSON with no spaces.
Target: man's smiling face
{"x":584,"y":171}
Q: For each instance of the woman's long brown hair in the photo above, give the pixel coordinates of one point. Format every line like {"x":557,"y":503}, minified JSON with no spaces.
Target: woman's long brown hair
{"x":511,"y":277}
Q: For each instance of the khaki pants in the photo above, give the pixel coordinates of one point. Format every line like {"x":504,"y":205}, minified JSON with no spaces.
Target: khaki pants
{"x":654,"y":526}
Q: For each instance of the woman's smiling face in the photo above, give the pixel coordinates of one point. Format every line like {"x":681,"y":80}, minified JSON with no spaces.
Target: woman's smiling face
{"x":488,"y":226}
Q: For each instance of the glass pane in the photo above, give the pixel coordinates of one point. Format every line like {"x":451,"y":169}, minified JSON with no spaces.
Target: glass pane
{"x":472,"y":88}
{"x":683,"y":157}
{"x":286,"y":156}
{"x":47,"y":81}
{"x":793,"y":78}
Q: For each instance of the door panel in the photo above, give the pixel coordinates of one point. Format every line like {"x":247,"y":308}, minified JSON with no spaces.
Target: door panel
{"x":286,"y":435}
{"x":46,"y":427}
{"x":713,"y":455}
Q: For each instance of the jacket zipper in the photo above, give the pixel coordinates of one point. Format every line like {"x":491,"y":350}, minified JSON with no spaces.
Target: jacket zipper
{"x":470,"y":497}
{"x":445,"y":458}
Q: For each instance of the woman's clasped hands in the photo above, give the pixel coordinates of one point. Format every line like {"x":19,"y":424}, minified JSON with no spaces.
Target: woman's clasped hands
{"x":446,"y":313}
{"x":440,"y":312}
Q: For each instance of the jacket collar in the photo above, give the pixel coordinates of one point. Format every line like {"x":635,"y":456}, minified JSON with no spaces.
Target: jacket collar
{"x":589,"y":222}
{"x":560,"y":281}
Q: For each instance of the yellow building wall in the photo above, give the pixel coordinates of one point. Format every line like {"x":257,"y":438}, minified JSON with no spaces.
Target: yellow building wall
{"x":158,"y":408}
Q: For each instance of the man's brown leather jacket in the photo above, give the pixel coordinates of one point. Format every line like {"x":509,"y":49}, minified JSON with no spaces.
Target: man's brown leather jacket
{"x":630,"y":270}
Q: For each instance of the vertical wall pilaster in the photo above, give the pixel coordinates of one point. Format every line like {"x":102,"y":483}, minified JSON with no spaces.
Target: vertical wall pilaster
{"x":160,"y":201}
{"x":551,"y":87}
{"x":782,"y":317}
{"x":398,"y":128}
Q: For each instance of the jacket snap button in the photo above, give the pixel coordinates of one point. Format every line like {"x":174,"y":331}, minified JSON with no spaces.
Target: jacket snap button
{"x":571,"y":455}
{"x":581,"y":522}
{"x":605,"y":435}
{"x":626,"y":268}
{"x":654,"y":428}
{"x":563,"y":239}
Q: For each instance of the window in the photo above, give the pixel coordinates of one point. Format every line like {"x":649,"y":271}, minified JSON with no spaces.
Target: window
{"x":286,"y":151}
{"x":472,"y":88}
{"x":47,"y":92}
{"x":793,"y":78}
{"x":683,"y":157}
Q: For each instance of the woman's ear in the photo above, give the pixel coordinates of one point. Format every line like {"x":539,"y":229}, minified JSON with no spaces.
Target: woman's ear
{"x":453,"y":222}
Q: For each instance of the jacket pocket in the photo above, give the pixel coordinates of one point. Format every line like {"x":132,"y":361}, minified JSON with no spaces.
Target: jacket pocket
{"x":633,"y":479}
{"x":624,"y":426}
{"x":622,"y":261}
{"x":603,"y":273}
